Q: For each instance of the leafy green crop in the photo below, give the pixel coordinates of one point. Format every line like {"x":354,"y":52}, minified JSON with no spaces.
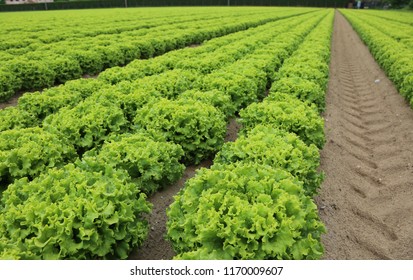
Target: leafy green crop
{"x":30,"y":151}
{"x":244,"y":211}
{"x":50,"y":101}
{"x":216,"y":98}
{"x":65,"y":68}
{"x":151,"y":163}
{"x":278,"y":149}
{"x":169,"y":84}
{"x":243,"y":91}
{"x":135,"y":70}
{"x":70,"y":213}
{"x":287,"y":113}
{"x":88,"y":124}
{"x":9,"y":83}
{"x":302,"y":70}
{"x":14,"y":117}
{"x":33,"y":74}
{"x":305,"y":90}
{"x":199,"y":128}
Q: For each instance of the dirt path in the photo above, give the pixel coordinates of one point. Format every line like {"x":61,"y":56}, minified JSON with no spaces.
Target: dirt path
{"x":366,"y":200}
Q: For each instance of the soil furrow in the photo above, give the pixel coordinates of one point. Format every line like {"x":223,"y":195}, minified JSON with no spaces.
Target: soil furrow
{"x":367,"y":159}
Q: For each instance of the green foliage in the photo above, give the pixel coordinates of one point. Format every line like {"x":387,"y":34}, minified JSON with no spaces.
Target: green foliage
{"x":407,"y":87}
{"x":243,"y":91}
{"x":251,"y":69}
{"x":303,"y":70}
{"x":244,"y":211}
{"x":288,"y":113}
{"x":90,"y":62}
{"x":278,"y":149}
{"x":151,"y":163}
{"x":135,"y":70}
{"x":128,"y":99}
{"x":70,"y":213}
{"x":65,"y":68}
{"x":9,"y":83}
{"x":303,"y":89}
{"x":50,"y":101}
{"x":216,"y":98}
{"x":14,"y":117}
{"x":398,"y":3}
{"x":199,"y":128}
{"x":110,"y":55}
{"x":86,"y":125}
{"x":34,"y":74}
{"x":30,"y":151}
{"x":168,"y":84}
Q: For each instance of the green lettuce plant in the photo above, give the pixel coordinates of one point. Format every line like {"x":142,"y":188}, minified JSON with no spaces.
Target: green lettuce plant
{"x":150,"y":161}
{"x":278,"y":149}
{"x":29,"y":151}
{"x":288,"y":113}
{"x":244,"y":211}
{"x":199,"y":128}
{"x":87,"y":124}
{"x":70,"y":213}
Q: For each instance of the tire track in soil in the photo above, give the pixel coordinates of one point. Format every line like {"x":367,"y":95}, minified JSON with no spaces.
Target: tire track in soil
{"x":366,"y":200}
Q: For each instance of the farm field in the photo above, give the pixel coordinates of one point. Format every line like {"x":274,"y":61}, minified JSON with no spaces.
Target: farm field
{"x":35,"y":54}
{"x":206,"y":133}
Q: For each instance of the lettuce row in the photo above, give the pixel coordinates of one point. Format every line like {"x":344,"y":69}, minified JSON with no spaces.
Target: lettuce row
{"x":214,"y":97}
{"x":28,"y":152}
{"x":65,"y":60}
{"x":305,"y":73}
{"x":108,"y":123}
{"x":279,"y":149}
{"x":50,"y":101}
{"x":393,"y":56}
{"x":150,"y":161}
{"x":105,"y":26}
{"x":226,"y":50}
{"x":244,"y":211}
{"x":14,"y":118}
{"x":200,"y":58}
{"x":289,"y":114}
{"x":87,"y":125}
{"x":230,"y":212}
{"x":199,"y":128}
{"x":70,"y":213}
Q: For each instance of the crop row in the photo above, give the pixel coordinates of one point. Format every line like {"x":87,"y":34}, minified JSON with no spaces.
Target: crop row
{"x":400,"y":32}
{"x":97,"y":201}
{"x":166,"y":74}
{"x":30,"y":68}
{"x":393,"y":15}
{"x":255,"y":200}
{"x":22,"y":30}
{"x":396,"y":58}
{"x":30,"y":38}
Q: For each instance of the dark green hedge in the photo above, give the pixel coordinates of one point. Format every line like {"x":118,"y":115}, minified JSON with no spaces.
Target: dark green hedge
{"x":154,"y":3}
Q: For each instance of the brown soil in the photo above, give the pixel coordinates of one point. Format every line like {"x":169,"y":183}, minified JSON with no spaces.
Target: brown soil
{"x":366,"y":199}
{"x":11,"y":102}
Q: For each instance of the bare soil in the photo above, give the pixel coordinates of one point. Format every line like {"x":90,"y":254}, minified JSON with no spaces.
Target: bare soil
{"x":366,"y":200}
{"x":11,"y":102}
